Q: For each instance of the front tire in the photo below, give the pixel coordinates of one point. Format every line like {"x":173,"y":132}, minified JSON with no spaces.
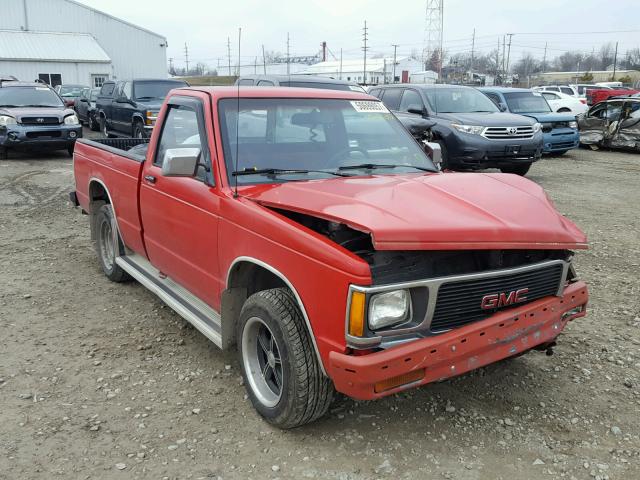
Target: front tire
{"x":280,"y":369}
{"x":109,"y":244}
{"x":93,"y":124}
{"x":103,"y":127}
{"x":138,"y":130}
{"x":517,"y":169}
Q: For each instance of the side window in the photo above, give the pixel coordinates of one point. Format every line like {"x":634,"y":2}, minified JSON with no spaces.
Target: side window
{"x":265,"y":83}
{"x":567,"y":90}
{"x":126,"y":90}
{"x":391,"y":98}
{"x":493,"y":97}
{"x":411,"y":99}
{"x":180,"y":130}
{"x":613,"y":111}
{"x":596,"y":112}
{"x":107,"y":89}
{"x":245,"y":82}
{"x":375,"y":92}
{"x":553,"y":89}
{"x":549,"y":96}
{"x":633,"y":109}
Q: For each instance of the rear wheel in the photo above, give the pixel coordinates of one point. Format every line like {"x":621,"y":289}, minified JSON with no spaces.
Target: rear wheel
{"x":517,"y":169}
{"x":563,"y":110}
{"x":108,"y":244}
{"x":281,"y":371}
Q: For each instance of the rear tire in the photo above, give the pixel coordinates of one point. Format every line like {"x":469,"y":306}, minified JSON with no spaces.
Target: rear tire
{"x":517,"y":169}
{"x":109,"y":244}
{"x":279,"y":365}
{"x":564,"y":110}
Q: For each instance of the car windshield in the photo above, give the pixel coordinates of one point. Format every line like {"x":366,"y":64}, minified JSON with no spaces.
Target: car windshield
{"x":155,"y":89}
{"x":29,"y":97}
{"x":323,"y":135}
{"x":526,"y":102}
{"x":71,"y":90}
{"x":459,"y":100}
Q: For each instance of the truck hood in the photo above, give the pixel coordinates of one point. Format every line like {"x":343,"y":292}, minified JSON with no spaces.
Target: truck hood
{"x":19,"y":112}
{"x":451,"y":211}
{"x":550,"y":117}
{"x":486,"y":119}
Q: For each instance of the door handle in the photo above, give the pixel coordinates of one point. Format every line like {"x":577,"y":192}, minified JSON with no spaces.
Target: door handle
{"x":150,"y":179}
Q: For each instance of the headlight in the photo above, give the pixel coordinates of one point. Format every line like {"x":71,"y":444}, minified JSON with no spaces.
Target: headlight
{"x":573,"y":124}
{"x":390,"y":308}
{"x":7,"y":120}
{"x":536,"y":127}
{"x":151,"y":117}
{"x":71,"y":120}
{"x":474,"y":130}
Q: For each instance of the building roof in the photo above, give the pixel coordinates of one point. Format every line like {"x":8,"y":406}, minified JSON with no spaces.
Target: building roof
{"x":373,"y":65}
{"x":20,"y":45}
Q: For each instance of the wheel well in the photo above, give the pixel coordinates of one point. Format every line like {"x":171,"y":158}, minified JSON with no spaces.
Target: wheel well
{"x":245,"y":279}
{"x":98,"y":196}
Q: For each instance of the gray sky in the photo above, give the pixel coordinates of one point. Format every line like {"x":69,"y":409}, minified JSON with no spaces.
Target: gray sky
{"x":206,"y":24}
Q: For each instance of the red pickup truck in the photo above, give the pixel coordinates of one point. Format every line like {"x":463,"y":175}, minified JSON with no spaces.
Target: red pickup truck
{"x":308,"y":228}
{"x":595,"y":96}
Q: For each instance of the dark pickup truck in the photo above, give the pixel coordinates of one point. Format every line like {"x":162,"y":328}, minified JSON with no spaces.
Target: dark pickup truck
{"x":129,"y":108}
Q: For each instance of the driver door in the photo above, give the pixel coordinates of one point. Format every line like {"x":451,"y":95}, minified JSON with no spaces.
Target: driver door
{"x":180,"y":215}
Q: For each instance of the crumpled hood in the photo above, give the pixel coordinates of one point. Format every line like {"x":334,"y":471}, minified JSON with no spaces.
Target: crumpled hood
{"x":432,"y":212}
{"x":40,"y":112}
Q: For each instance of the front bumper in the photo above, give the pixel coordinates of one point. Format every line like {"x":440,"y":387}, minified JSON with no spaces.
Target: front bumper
{"x":50,"y":136}
{"x":560,"y":140}
{"x":476,"y":152}
{"x":458,"y":351}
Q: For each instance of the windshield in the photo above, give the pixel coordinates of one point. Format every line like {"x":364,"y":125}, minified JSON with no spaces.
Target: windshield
{"x":155,"y":89}
{"x":324,"y":135}
{"x":29,"y":97}
{"x":71,"y":90}
{"x":459,"y":100}
{"x":526,"y":102}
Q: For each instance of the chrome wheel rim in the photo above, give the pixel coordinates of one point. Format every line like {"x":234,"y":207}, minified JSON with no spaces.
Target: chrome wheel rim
{"x":107,"y":246}
{"x":262,"y":362}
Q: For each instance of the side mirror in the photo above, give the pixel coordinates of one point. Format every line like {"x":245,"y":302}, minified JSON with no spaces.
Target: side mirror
{"x":180,"y":162}
{"x":417,"y":110}
{"x":502,"y":107}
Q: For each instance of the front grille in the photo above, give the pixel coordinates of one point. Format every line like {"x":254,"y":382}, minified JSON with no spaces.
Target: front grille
{"x":563,"y":145}
{"x":459,"y":302}
{"x":508,"y":133}
{"x":44,"y":134}
{"x":40,"y":121}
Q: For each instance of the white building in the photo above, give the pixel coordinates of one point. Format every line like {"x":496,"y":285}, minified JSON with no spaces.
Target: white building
{"x":63,"y":41}
{"x":379,"y":70}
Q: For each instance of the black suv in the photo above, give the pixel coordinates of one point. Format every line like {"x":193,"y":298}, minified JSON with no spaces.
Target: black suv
{"x":34,"y":115}
{"x":472,"y":132}
{"x":299,"y":81}
{"x":129,"y":108}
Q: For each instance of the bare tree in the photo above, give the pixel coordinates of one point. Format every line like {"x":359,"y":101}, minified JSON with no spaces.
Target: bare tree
{"x":606,"y":55}
{"x":527,"y":65}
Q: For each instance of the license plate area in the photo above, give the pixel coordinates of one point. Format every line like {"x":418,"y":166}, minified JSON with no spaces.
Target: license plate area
{"x":512,"y":149}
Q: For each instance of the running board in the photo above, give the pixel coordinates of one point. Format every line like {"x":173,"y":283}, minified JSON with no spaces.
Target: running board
{"x":189,"y":307}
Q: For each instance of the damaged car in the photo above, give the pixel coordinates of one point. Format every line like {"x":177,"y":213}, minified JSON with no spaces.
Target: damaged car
{"x":614,"y":123}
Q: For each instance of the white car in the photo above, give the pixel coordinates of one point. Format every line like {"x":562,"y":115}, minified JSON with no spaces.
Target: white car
{"x":566,"y":89}
{"x":560,"y":102}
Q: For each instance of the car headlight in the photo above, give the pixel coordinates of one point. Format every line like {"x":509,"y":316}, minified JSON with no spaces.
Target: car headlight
{"x":71,"y":120}
{"x":389,"y":308}
{"x":472,"y":129}
{"x":573,"y":124}
{"x":536,"y":127}
{"x":7,"y":120}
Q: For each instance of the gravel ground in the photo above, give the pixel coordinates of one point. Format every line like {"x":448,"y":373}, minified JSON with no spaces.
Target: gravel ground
{"x":101,"y":380}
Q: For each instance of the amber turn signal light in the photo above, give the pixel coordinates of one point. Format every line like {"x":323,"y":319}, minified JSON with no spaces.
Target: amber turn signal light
{"x":356,"y":314}
{"x":395,"y":382}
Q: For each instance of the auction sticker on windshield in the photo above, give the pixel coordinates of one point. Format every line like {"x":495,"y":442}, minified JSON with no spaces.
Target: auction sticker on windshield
{"x":366,"y":106}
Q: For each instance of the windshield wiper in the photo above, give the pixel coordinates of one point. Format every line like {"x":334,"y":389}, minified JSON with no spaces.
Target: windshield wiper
{"x":374,"y":166}
{"x":282,"y":171}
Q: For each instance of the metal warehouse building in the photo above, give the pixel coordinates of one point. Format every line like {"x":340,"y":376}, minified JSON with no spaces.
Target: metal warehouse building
{"x":63,"y":41}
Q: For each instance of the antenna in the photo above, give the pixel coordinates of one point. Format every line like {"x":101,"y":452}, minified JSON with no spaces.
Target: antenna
{"x":235,"y":192}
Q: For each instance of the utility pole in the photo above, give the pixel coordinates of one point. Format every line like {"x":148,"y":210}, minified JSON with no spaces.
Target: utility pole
{"x":544,"y":59}
{"x":229,"y":53}
{"x":365,"y":37}
{"x":509,"y":51}
{"x":171,"y":65}
{"x":615,"y":63}
{"x":264,"y":60}
{"x":473,"y":49}
{"x":288,"y":44}
{"x":395,"y":50}
{"x":504,"y":52}
{"x":497,"y":61}
{"x":340,"y":64}
{"x":186,"y":57}
{"x":324,"y":51}
{"x":255,"y":65}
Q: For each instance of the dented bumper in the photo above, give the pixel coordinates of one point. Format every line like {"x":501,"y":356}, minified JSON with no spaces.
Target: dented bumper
{"x":458,"y":351}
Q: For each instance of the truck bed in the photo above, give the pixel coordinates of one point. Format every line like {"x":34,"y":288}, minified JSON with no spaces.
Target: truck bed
{"x":113,"y":166}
